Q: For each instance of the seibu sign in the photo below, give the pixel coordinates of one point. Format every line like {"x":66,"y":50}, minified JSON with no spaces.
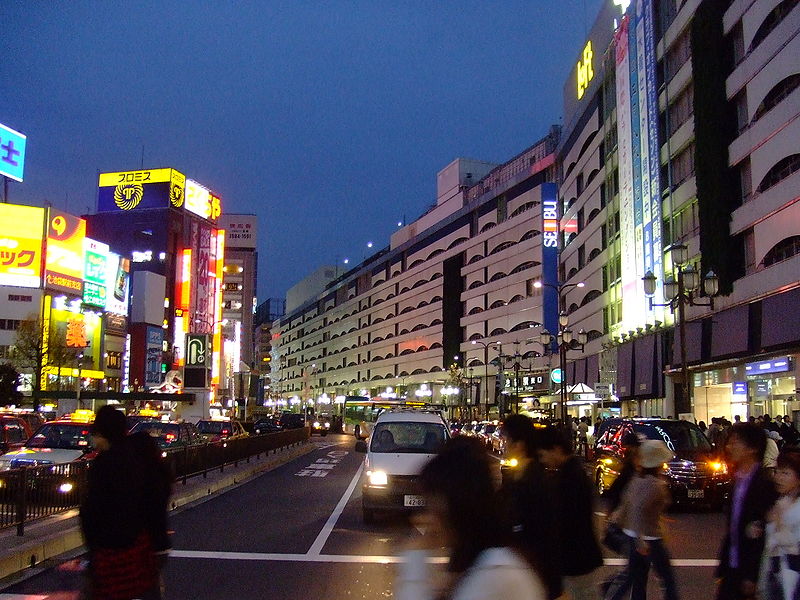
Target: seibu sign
{"x":550,"y":223}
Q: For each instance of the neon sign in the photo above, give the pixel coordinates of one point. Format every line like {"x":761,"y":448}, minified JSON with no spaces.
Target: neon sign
{"x":585,"y":69}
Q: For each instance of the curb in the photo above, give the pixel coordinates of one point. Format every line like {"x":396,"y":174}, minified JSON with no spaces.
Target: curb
{"x":69,"y":537}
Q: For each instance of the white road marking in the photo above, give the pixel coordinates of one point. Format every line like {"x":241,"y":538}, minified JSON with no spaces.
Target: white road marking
{"x":327,"y":529}
{"x":382,"y":560}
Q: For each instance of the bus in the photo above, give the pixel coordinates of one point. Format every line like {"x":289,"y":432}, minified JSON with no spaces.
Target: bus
{"x":361,"y":412}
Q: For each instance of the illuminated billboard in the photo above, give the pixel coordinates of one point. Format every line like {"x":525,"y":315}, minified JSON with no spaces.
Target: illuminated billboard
{"x":95,"y":259}
{"x":74,"y":330}
{"x":117,"y":282}
{"x":21,"y":245}
{"x":129,"y":190}
{"x":12,"y":153}
{"x":64,"y":253}
{"x":201,"y":201}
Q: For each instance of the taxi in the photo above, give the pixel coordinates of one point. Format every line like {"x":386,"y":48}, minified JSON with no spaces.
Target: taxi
{"x":54,"y":443}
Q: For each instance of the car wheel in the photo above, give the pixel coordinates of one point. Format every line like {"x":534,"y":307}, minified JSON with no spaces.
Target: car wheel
{"x":600,"y":484}
{"x":368,"y":515}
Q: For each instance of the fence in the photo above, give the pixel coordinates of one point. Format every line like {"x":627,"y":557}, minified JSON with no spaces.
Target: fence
{"x":30,"y":493}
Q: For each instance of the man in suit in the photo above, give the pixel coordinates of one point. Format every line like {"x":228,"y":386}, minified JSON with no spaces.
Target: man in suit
{"x":752,"y":497}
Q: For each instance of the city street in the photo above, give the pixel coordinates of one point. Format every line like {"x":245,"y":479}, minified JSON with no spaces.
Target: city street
{"x":296,"y":532}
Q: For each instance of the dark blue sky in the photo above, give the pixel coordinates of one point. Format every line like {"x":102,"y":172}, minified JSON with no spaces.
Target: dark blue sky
{"x":327,"y":119}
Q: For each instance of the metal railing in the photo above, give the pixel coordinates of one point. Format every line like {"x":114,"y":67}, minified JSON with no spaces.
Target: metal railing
{"x":31,"y":493}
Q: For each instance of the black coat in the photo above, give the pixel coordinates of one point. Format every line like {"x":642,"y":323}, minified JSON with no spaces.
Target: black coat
{"x":758,"y":500}
{"x":530,"y":521}
{"x":579,"y":550}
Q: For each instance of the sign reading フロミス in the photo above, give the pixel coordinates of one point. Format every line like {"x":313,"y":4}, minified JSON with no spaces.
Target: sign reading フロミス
{"x":12,"y":153}
{"x":129,"y":190}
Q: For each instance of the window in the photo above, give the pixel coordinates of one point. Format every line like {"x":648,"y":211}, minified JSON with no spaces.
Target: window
{"x":776,"y":94}
{"x":773,"y":19}
{"x":683,"y":165}
{"x":678,"y":54}
{"x":9,"y":324}
{"x":783,"y":250}
{"x":682,"y":109}
{"x":18,"y":298}
{"x":783,"y":169}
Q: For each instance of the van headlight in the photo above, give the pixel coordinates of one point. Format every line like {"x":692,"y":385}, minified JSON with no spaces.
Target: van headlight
{"x":327,"y":425}
{"x":377,"y":478}
{"x":65,"y":488}
{"x":316,"y":424}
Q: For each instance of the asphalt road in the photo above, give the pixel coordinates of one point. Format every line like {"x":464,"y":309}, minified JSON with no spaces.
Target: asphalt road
{"x":296,"y":532}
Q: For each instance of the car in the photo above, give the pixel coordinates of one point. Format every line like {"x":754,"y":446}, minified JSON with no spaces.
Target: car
{"x":133,"y":420}
{"x":485,"y":434}
{"x":321,"y":425}
{"x":266,"y":425}
{"x":400,"y":445}
{"x":498,"y":440}
{"x":455,"y":428}
{"x":214,"y":431}
{"x":56,"y":442}
{"x":290,"y":420}
{"x":171,"y":435}
{"x":13,"y":433}
{"x":697,"y":474}
{"x":34,"y":420}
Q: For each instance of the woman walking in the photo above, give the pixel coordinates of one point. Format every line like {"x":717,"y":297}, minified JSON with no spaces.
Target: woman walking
{"x":780,"y":567}
{"x":461,"y":516}
{"x":644,"y":501}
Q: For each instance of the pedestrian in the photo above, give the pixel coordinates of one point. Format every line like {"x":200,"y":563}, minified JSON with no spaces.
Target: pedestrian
{"x":461,"y":514}
{"x":615,"y":538}
{"x":703,"y":427}
{"x":737,"y":419}
{"x":789,"y":432}
{"x":780,"y":567}
{"x":528,"y":485}
{"x":752,"y":497}
{"x":640,"y":513}
{"x":122,"y":563}
{"x":579,"y":552}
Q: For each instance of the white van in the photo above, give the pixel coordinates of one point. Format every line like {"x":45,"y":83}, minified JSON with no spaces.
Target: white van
{"x":400,"y":445}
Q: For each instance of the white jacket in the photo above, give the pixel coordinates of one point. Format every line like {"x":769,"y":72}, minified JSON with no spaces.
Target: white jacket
{"x":782,"y":539}
{"x":497,"y":574}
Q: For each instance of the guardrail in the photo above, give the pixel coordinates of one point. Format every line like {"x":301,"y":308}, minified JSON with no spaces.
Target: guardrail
{"x":31,"y":493}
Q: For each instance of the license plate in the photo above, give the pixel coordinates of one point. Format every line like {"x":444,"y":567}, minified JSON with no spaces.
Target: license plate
{"x":413,"y":500}
{"x":697,"y":493}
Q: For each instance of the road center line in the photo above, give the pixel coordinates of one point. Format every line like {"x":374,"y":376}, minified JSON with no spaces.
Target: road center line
{"x":381,"y":560}
{"x":327,"y":529}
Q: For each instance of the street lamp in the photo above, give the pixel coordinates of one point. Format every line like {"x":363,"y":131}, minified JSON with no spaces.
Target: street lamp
{"x":679,"y":293}
{"x":485,"y":370}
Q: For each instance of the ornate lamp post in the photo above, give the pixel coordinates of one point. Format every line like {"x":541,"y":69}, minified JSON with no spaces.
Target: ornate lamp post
{"x":485,"y":371}
{"x":681,"y":292}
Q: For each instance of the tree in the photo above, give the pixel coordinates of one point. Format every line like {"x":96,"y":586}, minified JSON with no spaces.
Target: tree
{"x":9,"y":384}
{"x":35,"y":349}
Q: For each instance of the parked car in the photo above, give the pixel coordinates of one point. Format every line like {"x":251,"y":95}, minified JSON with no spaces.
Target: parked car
{"x":32,"y":419}
{"x":56,"y":442}
{"x":133,"y":420}
{"x":400,"y":445}
{"x":214,"y":431}
{"x":13,"y":433}
{"x":171,"y":435}
{"x":498,"y":440}
{"x":697,"y":474}
{"x":485,"y":434}
{"x":290,"y":420}
{"x":266,"y":425}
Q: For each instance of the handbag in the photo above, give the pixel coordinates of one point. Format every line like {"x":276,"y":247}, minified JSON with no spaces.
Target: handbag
{"x":614,"y":538}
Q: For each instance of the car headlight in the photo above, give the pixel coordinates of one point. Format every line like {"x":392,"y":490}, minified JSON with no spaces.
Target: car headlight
{"x":377,"y":478}
{"x":327,"y":424}
{"x":718,"y":467}
{"x":511,"y":462}
{"x":316,"y":424}
{"x":65,"y":488}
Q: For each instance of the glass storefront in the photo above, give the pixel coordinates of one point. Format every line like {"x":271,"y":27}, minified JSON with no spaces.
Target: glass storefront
{"x":750,"y":389}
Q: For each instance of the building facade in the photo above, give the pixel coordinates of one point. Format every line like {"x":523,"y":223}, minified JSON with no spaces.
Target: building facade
{"x":401,"y":322}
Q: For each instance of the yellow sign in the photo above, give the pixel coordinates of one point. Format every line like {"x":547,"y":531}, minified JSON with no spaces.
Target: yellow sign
{"x":585,"y":70}
{"x":135,"y":177}
{"x":201,"y":201}
{"x":21,"y":245}
{"x":176,"y":189}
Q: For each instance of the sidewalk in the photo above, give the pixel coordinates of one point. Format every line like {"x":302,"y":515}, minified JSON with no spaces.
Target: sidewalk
{"x":52,"y":536}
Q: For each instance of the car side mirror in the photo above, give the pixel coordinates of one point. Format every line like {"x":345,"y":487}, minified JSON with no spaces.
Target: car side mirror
{"x":361,"y":446}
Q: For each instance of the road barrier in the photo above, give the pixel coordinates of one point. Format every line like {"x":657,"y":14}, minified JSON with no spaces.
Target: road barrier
{"x":28,"y":493}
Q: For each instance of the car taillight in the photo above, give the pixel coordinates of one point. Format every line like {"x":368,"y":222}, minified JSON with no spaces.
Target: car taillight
{"x":225,"y":432}
{"x":171,"y":437}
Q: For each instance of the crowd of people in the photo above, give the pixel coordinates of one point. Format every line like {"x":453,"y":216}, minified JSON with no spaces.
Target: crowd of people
{"x":535,"y":538}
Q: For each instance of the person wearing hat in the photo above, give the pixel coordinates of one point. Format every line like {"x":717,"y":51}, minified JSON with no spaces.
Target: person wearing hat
{"x":644,"y":501}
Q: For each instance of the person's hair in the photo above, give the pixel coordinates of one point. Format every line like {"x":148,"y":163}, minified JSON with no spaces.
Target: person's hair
{"x":631,"y":440}
{"x":519,"y":428}
{"x":789,"y":458}
{"x":552,"y":438}
{"x":110,"y":423}
{"x":461,"y":474}
{"x":751,"y":435}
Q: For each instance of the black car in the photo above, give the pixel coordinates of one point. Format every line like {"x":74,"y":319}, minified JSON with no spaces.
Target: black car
{"x":289,"y":420}
{"x":697,"y":474}
{"x":268,"y":425}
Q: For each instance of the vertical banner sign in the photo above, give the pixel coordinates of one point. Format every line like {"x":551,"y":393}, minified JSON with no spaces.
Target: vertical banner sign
{"x":12,"y":153}
{"x":636,"y":155}
{"x":183,"y":291}
{"x":152,"y":374}
{"x":652,"y":166}
{"x":550,"y":219}
{"x":627,"y":224}
{"x":64,"y":255}
{"x":96,"y":256}
{"x":219,"y":256}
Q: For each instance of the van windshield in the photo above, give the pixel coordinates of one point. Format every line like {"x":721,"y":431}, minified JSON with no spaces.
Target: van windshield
{"x":682,"y":437}
{"x":408,"y":437}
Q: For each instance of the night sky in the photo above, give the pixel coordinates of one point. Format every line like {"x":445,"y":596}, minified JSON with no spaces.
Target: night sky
{"x":329,"y":120}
